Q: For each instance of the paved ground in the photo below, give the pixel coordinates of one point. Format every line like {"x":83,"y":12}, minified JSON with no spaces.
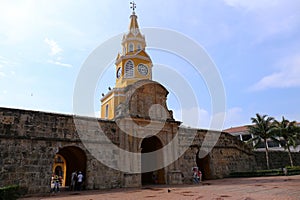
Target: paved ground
{"x":266,"y":188}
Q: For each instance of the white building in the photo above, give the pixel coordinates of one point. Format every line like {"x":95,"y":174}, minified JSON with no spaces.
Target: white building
{"x":241,"y":132}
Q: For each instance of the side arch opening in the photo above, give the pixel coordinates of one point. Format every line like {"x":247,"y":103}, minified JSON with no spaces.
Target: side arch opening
{"x":204,"y":165}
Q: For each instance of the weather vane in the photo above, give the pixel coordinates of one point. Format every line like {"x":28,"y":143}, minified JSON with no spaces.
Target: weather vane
{"x":133,"y":6}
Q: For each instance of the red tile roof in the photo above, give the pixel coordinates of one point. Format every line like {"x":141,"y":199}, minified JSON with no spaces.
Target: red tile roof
{"x":236,"y":129}
{"x":242,"y":129}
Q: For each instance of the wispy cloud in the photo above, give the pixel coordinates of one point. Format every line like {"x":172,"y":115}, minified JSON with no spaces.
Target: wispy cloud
{"x":54,"y":47}
{"x":193,"y":117}
{"x":287,"y":76}
{"x":55,"y":53}
{"x":268,"y":18}
{"x":4,"y":64}
{"x":235,"y":116}
{"x":2,"y":74}
{"x":59,"y":63}
{"x":250,"y":5}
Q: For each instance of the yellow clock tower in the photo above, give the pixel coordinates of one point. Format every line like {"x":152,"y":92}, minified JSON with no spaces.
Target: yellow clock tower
{"x":132,"y":65}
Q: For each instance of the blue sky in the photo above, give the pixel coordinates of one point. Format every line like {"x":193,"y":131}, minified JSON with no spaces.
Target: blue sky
{"x":255,"y":45}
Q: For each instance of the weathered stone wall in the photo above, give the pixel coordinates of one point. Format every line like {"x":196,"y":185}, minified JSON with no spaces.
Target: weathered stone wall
{"x":230,"y":155}
{"x":221,"y":154}
{"x":29,"y":141}
{"x":26,"y":162}
{"x":277,"y":159}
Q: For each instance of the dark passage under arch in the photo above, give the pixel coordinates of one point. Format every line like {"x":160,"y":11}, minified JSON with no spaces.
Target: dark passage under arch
{"x":75,"y":161}
{"x":204,"y":165}
{"x":151,"y":144}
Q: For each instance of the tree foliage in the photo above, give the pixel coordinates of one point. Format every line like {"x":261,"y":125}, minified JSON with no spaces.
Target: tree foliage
{"x":288,"y":132}
{"x":262,"y":129}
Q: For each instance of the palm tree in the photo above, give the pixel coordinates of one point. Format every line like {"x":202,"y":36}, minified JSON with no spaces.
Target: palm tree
{"x":289,"y":132}
{"x":262,"y":130}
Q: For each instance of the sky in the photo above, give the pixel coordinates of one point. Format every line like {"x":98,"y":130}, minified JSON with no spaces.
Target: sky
{"x":255,"y":46}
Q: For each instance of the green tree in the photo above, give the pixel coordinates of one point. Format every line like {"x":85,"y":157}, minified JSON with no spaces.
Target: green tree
{"x":262,"y":129}
{"x":289,"y":132}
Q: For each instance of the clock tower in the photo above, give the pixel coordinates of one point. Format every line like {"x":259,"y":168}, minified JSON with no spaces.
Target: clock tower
{"x":132,"y":64}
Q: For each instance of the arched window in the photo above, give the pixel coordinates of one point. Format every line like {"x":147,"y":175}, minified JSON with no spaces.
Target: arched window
{"x":139,"y":47}
{"x":131,"y":47}
{"x":129,"y":68}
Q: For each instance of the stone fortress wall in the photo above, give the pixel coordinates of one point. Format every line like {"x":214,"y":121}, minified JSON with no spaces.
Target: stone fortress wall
{"x":277,"y":159}
{"x":29,"y":140}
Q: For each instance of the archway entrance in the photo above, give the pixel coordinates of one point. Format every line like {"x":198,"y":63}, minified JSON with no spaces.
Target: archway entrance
{"x":204,"y":165}
{"x":68,"y":160}
{"x":151,"y":144}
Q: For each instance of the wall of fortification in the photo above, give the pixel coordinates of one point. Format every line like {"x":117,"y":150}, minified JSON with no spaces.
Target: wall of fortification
{"x":29,"y":141}
{"x":277,"y":159}
{"x":227,"y":155}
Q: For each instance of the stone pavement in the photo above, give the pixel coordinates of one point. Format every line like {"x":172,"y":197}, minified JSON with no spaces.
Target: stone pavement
{"x":276,"y":187}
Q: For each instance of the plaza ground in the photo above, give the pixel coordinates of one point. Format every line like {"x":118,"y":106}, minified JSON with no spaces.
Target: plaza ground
{"x":276,"y":187}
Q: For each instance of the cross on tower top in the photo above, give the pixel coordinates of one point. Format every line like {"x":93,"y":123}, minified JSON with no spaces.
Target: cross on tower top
{"x":133,"y":6}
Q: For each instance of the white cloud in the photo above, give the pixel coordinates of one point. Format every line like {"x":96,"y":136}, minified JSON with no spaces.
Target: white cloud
{"x":54,"y":48}
{"x":55,"y":53}
{"x":2,"y":74}
{"x":268,"y":18}
{"x":250,"y":5}
{"x":235,"y":117}
{"x":193,"y":117}
{"x":59,"y":63}
{"x":201,"y":118}
{"x":4,"y":63}
{"x":287,"y":76}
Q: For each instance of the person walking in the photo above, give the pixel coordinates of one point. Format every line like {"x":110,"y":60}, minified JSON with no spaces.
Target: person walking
{"x":79,"y":180}
{"x":73,"y":181}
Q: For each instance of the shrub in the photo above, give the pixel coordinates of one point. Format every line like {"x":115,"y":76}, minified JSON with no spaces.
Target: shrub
{"x":11,"y":192}
{"x":270,"y":172}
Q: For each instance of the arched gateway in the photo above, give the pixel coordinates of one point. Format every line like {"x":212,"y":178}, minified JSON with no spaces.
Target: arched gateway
{"x":68,"y":160}
{"x":204,"y":166}
{"x":151,"y":144}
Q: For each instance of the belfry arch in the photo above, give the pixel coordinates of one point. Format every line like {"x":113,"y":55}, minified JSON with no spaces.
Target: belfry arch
{"x":151,"y":144}
{"x":69,"y":159}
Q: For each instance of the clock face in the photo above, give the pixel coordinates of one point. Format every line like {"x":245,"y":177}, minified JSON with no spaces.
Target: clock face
{"x":143,"y":69}
{"x":119,"y":72}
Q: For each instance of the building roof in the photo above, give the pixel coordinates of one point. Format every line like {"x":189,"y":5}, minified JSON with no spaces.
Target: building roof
{"x":236,"y":129}
{"x":244,"y":128}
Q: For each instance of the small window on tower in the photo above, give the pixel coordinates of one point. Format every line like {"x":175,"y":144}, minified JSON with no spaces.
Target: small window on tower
{"x":129,"y":69}
{"x":130,"y":47}
{"x":139,"y":47}
{"x":106,"y":111}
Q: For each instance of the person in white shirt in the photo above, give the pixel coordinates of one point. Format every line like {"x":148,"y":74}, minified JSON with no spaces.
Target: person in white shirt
{"x":79,"y":180}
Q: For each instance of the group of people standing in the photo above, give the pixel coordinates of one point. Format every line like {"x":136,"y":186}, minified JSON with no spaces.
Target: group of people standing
{"x":197,"y":175}
{"x":76,"y":181}
{"x":56,"y":182}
